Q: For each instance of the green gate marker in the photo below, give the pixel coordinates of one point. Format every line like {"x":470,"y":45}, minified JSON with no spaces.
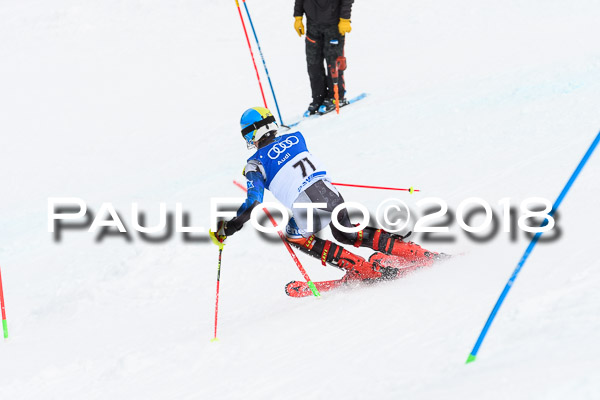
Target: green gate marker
{"x":4,"y":323}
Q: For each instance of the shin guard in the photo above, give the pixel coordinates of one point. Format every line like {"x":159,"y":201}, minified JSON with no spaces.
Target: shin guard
{"x":388,"y":243}
{"x":329,"y":252}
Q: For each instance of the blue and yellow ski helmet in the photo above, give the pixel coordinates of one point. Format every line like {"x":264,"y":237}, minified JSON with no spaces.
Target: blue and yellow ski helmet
{"x":256,"y":122}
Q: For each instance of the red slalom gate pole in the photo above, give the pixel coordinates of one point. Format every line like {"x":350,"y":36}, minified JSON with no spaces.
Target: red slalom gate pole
{"x":410,"y":189}
{"x":300,"y":267}
{"x":310,"y":283}
{"x":336,"y":87}
{"x":237,"y":3}
{"x":4,"y":323}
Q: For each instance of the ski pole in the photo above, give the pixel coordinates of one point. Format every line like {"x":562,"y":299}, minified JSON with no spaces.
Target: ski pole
{"x":534,"y":240}
{"x":215,"y":241}
{"x":4,"y":323}
{"x":410,"y":189}
{"x":251,"y":53}
{"x":310,"y":283}
{"x":264,"y":63}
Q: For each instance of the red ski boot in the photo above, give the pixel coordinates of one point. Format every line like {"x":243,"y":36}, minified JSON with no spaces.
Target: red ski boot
{"x":406,"y":253}
{"x":358,"y":268}
{"x":393,"y":267}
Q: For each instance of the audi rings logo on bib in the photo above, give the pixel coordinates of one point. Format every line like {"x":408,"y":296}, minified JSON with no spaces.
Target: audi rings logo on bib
{"x":282,"y":146}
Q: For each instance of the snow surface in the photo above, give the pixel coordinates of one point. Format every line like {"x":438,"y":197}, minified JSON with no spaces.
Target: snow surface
{"x":139,"y":101}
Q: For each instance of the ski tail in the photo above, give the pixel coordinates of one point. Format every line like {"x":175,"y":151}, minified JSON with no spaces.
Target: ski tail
{"x":391,"y":268}
{"x":301,"y":289}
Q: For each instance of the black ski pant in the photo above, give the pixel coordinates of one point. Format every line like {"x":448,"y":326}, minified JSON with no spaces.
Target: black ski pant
{"x":324,"y":192}
{"x":324,"y":44}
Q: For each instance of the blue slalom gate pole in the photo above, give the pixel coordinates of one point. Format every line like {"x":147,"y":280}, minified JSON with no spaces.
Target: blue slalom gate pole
{"x":263,"y":61}
{"x":534,"y":240}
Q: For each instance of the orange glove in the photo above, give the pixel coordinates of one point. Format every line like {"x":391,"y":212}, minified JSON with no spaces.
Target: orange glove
{"x":344,"y":26}
{"x":299,"y":26}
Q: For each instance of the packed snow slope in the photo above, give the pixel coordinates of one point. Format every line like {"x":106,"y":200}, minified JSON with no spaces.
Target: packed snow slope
{"x":139,"y":101}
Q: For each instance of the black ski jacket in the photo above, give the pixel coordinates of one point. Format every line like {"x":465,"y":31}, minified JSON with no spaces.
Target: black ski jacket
{"x":323,"y":12}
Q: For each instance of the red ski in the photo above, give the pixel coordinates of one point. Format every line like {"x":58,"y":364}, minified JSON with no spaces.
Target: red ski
{"x":394,"y":268}
{"x":301,"y":289}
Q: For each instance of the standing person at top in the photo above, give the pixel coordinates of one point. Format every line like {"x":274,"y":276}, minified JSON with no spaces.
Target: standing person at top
{"x":284,"y":166}
{"x":327,"y":22}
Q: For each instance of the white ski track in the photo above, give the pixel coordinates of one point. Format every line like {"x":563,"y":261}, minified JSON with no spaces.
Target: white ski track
{"x":139,"y":101}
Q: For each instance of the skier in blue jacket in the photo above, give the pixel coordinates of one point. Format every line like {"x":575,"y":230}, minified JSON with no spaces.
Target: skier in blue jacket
{"x":283,"y":165}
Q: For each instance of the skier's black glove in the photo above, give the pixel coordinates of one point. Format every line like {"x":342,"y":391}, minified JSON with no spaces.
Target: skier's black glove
{"x":220,"y":234}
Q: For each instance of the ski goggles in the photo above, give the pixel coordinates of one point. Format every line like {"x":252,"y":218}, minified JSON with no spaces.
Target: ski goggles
{"x":248,"y":132}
